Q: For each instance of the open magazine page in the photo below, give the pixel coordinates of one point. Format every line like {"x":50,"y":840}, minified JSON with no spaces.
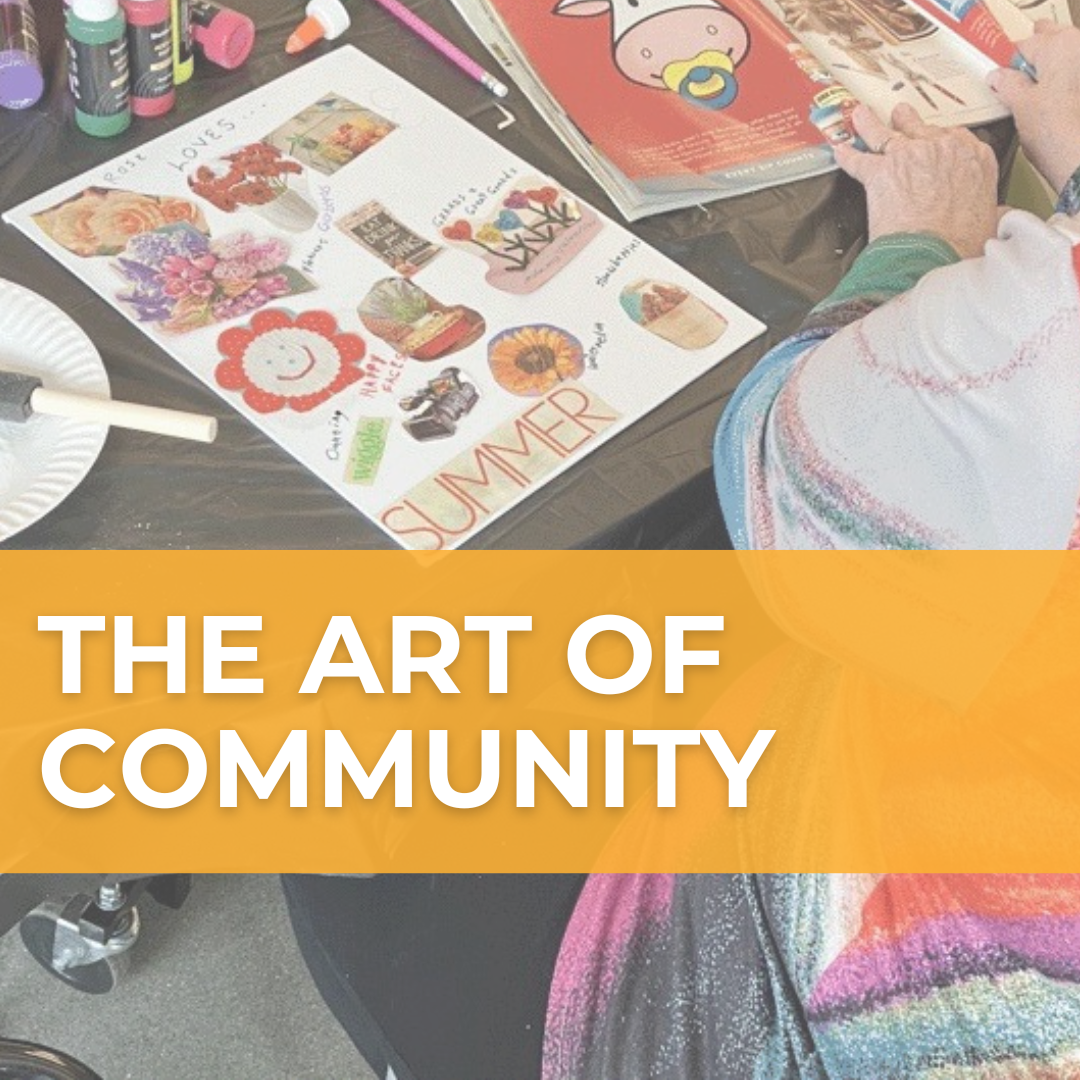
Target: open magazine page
{"x":487,"y":26}
{"x":1058,"y":10}
{"x":887,"y":54}
{"x":688,"y":101}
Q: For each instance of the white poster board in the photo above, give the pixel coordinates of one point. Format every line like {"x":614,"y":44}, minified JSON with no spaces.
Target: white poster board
{"x":418,"y":316}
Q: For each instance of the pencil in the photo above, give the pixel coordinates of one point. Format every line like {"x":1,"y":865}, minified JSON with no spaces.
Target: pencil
{"x":452,"y":53}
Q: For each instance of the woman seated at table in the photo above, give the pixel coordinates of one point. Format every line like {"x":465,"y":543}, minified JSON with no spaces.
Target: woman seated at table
{"x":933,"y":400}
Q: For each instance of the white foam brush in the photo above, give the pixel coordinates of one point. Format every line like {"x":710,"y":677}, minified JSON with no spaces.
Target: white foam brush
{"x":21,"y":396}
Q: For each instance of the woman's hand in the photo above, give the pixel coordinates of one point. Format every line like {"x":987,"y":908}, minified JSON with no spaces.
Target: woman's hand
{"x":923,"y":179}
{"x":1047,"y":112}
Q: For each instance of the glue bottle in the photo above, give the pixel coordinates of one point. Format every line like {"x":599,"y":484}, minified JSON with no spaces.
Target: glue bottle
{"x":150,"y":54}
{"x":98,"y":66}
{"x":21,"y":81}
{"x":183,"y":56}
{"x":225,"y":37}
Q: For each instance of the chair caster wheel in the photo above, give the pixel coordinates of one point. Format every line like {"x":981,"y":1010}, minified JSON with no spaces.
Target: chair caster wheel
{"x":60,"y":940}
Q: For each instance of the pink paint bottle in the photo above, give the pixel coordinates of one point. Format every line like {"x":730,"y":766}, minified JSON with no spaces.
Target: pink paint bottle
{"x":226,"y":37}
{"x":150,"y":52}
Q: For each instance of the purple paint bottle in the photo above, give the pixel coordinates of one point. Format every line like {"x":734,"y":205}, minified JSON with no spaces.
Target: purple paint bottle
{"x":21,"y":81}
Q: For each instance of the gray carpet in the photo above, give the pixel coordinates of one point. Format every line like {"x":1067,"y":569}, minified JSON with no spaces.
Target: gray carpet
{"x":215,"y":991}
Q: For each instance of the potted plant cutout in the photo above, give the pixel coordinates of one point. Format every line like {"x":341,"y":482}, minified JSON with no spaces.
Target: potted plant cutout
{"x":672,"y":313}
{"x":528,"y":238}
{"x":258,"y":177}
{"x":415,"y":324}
{"x":531,"y":360}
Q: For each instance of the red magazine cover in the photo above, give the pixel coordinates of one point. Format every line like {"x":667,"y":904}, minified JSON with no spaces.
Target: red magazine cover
{"x":663,"y":87}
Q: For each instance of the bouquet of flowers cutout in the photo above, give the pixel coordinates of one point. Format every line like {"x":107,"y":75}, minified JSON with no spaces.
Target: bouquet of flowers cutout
{"x":260,"y":177}
{"x":532,"y":235}
{"x":182,"y":280}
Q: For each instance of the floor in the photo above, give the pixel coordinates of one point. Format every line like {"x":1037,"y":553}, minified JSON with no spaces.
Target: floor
{"x":216,"y":991}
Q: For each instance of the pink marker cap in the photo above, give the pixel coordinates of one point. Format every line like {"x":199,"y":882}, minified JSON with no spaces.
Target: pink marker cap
{"x":228,"y":40}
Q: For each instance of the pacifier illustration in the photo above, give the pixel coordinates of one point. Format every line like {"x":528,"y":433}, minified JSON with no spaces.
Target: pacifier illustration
{"x":708,"y":81}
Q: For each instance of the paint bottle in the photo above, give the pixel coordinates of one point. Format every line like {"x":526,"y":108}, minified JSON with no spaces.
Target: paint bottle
{"x":183,"y":55}
{"x":21,"y":81}
{"x":225,"y":37}
{"x":150,"y":54}
{"x":98,"y":66}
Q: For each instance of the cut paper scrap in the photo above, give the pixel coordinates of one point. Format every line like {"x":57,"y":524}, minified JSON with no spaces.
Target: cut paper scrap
{"x":367,"y":450}
{"x":330,"y":134}
{"x":280,"y":362}
{"x":180,"y":280}
{"x":443,"y":401}
{"x":376,"y":230}
{"x":415,"y":324}
{"x":516,"y":457}
{"x":536,"y":231}
{"x":257,"y":177}
{"x":672,"y":313}
{"x":100,"y":221}
{"x":531,"y":360}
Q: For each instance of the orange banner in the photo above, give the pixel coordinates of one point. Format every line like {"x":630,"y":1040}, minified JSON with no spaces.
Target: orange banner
{"x":882,"y":711}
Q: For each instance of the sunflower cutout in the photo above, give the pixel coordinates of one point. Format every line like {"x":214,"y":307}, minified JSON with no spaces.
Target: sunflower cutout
{"x":278,"y":362}
{"x":531,"y":360}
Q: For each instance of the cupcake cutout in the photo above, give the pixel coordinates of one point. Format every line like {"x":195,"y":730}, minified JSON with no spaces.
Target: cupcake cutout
{"x":415,"y":324}
{"x":528,"y":238}
{"x":673,"y":313}
{"x":531,"y":360}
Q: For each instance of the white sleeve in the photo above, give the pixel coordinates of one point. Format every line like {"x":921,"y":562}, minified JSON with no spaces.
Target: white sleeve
{"x":954,"y":409}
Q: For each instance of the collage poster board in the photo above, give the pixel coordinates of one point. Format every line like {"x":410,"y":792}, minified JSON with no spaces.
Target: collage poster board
{"x":419,"y":317}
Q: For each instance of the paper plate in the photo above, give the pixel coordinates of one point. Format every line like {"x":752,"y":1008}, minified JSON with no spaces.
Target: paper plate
{"x":45,"y":459}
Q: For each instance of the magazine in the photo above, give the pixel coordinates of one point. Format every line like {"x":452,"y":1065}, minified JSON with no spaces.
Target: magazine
{"x":674,"y":103}
{"x":431,"y":326}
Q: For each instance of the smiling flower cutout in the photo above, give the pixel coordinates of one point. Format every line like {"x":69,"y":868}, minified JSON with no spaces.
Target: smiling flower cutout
{"x":279,"y":362}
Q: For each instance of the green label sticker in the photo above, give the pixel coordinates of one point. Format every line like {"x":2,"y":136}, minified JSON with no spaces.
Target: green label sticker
{"x":366,"y":452}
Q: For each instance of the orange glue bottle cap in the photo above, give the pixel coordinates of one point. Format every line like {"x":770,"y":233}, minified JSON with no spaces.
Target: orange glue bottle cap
{"x":325,"y":19}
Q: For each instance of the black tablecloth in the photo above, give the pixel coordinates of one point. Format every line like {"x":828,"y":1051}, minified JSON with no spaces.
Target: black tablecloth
{"x":774,"y":253}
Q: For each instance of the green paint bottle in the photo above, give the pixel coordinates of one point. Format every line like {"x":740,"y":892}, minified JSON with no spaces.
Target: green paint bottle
{"x":98,"y":66}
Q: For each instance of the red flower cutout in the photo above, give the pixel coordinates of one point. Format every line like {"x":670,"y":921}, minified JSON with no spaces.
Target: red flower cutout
{"x":460,"y":230}
{"x":278,"y":362}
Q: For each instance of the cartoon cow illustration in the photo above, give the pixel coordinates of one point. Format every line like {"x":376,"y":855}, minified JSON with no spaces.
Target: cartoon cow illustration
{"x":691,"y":47}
